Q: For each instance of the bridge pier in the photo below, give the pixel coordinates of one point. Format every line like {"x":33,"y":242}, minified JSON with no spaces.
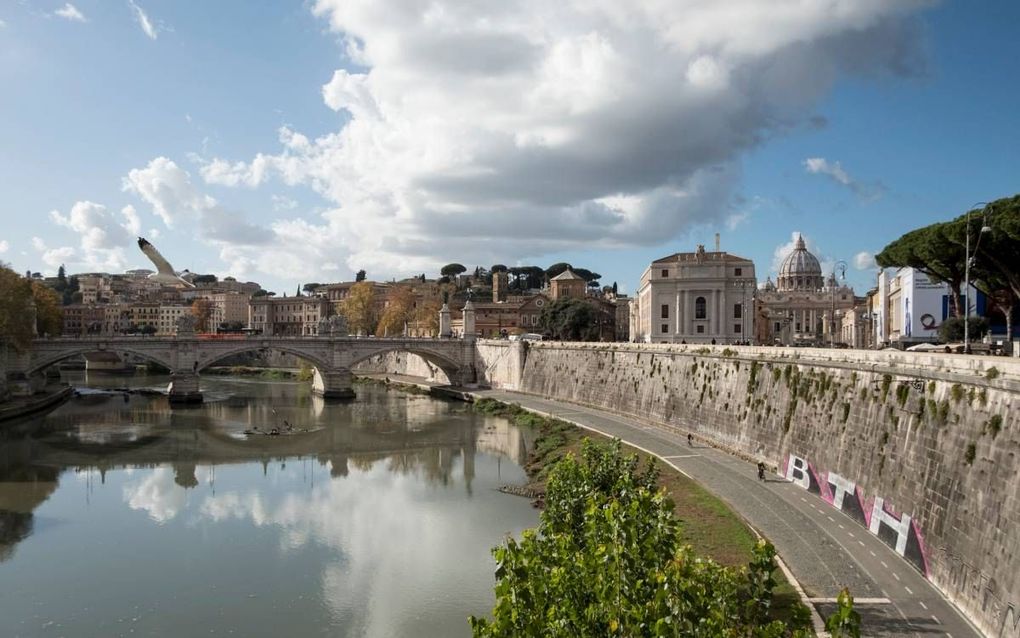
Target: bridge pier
{"x":333,"y":384}
{"x":184,"y":388}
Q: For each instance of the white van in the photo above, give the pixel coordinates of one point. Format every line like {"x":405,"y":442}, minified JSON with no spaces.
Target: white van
{"x":531,"y":336}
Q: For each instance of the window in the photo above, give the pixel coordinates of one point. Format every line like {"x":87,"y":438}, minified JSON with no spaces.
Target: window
{"x":665,"y":327}
{"x":737,"y":272}
{"x":701,"y":330}
{"x":797,"y":328}
{"x":778,"y":327}
{"x":736,"y":328}
{"x":738,"y":311}
{"x":665,"y":311}
{"x":699,"y":308}
{"x":665,"y":272}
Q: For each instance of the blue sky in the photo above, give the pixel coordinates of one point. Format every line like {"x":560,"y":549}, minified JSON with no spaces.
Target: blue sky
{"x":492,"y":134}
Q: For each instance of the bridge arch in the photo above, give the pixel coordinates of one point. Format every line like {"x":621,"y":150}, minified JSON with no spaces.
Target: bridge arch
{"x":453,"y":370}
{"x":316,"y":361}
{"x":48,"y":359}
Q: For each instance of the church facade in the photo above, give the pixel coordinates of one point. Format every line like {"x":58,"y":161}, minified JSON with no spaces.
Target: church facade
{"x":695,"y":297}
{"x":801,"y":307}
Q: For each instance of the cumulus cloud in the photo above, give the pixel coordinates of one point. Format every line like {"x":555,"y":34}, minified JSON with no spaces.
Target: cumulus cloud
{"x":103,"y":234}
{"x":864,"y":261}
{"x":178,"y":202}
{"x":148,"y":26}
{"x":835,"y":171}
{"x":70,"y":12}
{"x":52,"y":257}
{"x":4,"y":246}
{"x":622,"y":126}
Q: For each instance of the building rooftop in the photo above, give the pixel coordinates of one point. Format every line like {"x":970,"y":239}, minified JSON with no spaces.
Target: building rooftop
{"x":567,"y":275}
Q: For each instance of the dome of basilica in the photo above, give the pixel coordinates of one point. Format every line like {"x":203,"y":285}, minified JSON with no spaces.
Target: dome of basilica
{"x":800,"y":270}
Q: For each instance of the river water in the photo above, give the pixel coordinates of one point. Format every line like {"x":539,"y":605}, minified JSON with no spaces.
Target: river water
{"x":122,"y":517}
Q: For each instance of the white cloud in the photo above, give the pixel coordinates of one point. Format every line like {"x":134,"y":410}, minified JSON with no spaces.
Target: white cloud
{"x":834,"y":170}
{"x":174,"y":198}
{"x":70,"y":12}
{"x":103,"y":234}
{"x":4,"y":246}
{"x":148,"y":26}
{"x":132,"y":224}
{"x":864,"y":261}
{"x":52,"y":257}
{"x":169,"y":190}
{"x":2,"y":24}
{"x":623,"y":124}
{"x":283,"y":203}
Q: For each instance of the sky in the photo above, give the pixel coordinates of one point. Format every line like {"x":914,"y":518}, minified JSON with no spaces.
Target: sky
{"x":289,"y":143}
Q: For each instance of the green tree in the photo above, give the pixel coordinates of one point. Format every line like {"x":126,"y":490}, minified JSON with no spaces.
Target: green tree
{"x":556,"y":269}
{"x":17,"y":296}
{"x":933,"y":251}
{"x":205,"y":279}
{"x":951,"y":329}
{"x":570,"y":320}
{"x":452,"y":270}
{"x":61,"y":279}
{"x":607,"y":560}
{"x":497,"y":268}
{"x":310,"y":287}
{"x":360,"y":276}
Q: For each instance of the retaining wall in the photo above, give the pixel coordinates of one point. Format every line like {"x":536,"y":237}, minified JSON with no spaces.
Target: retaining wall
{"x":922,"y":452}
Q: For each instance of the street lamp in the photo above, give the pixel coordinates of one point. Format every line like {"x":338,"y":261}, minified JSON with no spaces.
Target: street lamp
{"x":966,"y":271}
{"x":841,"y":266}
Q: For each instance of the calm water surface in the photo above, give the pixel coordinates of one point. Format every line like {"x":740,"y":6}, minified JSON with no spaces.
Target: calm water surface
{"x":124,"y":517}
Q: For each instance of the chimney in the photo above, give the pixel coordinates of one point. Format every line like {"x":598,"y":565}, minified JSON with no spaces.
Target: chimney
{"x":717,"y":242}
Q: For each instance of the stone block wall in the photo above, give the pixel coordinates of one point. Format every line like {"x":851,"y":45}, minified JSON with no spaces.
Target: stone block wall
{"x":926,"y":458}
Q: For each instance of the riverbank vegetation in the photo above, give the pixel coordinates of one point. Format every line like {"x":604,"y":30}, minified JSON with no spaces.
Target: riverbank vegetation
{"x":608,"y":559}
{"x":625,"y":551}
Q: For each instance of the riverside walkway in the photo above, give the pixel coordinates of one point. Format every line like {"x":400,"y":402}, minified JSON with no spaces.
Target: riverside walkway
{"x":823,"y":548}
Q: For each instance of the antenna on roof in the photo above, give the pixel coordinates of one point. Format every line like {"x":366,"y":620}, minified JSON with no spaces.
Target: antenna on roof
{"x":717,"y":242}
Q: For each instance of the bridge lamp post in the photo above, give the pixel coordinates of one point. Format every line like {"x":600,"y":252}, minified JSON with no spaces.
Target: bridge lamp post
{"x":966,"y":270}
{"x":841,"y":267}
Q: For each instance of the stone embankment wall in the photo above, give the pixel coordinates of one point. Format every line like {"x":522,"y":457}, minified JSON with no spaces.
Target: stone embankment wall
{"x":921,"y":450}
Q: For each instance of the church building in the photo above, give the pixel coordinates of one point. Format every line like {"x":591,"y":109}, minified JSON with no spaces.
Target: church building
{"x":695,"y":297}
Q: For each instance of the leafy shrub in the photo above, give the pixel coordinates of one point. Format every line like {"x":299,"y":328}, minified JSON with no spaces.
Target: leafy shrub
{"x":607,"y":560}
{"x":952,"y":329}
{"x":994,"y":425}
{"x":992,"y":373}
{"x":970,"y":454}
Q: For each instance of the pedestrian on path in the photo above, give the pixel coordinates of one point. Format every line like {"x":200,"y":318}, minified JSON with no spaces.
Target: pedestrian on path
{"x":761,"y":471}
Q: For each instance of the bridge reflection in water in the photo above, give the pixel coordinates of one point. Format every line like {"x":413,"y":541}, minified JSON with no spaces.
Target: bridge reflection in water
{"x":377,"y":520}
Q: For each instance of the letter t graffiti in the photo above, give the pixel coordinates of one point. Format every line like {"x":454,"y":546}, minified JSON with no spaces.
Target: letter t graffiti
{"x":840,"y":488}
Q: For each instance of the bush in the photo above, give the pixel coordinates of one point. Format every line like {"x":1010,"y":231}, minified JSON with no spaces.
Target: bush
{"x":606,"y":560}
{"x":952,"y":329}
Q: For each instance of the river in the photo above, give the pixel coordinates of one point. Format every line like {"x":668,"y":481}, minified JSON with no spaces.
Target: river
{"x":120,"y":516}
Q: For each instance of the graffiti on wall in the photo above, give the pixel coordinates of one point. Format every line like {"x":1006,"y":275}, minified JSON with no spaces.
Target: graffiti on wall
{"x":980,"y":589}
{"x":898,"y":531}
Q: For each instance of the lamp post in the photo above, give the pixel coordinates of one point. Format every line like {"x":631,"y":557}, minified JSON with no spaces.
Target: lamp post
{"x":966,"y":271}
{"x":841,"y":266}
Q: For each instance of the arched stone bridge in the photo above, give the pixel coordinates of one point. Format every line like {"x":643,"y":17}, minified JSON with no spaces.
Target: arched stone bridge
{"x":187,"y":356}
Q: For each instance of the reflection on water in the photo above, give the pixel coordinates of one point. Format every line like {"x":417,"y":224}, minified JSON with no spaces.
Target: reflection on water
{"x":375,"y":518}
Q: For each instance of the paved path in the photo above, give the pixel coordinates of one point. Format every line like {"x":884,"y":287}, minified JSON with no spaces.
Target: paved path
{"x":824,"y":549}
